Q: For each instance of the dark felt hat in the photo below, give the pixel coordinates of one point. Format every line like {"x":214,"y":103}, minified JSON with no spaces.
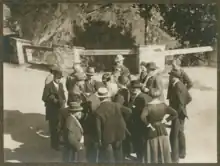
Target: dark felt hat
{"x":106,"y":77}
{"x":80,"y":76}
{"x":123,"y":79}
{"x":135,"y":84}
{"x":152,"y":66}
{"x":90,"y":71}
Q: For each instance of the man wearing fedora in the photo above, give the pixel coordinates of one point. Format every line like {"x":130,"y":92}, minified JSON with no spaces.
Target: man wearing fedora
{"x":54,"y":99}
{"x":176,"y":63}
{"x":119,"y":60}
{"x":179,"y":98}
{"x":71,"y":79}
{"x":91,"y":85}
{"x":111,"y":127}
{"x":123,"y":98}
{"x":153,"y":80}
{"x":72,"y":132}
{"x":138,"y":101}
{"x":78,"y":87}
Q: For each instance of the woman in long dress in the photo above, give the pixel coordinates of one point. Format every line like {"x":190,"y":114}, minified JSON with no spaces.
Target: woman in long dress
{"x":157,"y":146}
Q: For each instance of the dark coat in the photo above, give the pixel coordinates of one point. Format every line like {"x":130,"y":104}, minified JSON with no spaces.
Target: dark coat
{"x":142,"y":77}
{"x":123,"y":97}
{"x":184,"y":79}
{"x":179,"y":98}
{"x":110,"y":121}
{"x":70,"y":82}
{"x":156,"y":82}
{"x":54,"y":99}
{"x":91,"y":87}
{"x":71,"y":131}
{"x":138,"y":104}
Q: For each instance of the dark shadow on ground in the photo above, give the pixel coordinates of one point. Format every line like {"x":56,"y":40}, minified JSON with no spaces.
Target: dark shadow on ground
{"x":22,"y":128}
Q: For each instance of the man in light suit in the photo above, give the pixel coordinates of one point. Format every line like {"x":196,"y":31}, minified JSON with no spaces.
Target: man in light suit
{"x":179,"y":98}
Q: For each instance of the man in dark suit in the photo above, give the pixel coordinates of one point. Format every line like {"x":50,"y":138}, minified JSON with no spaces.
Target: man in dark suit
{"x":123,"y":98}
{"x":179,"y":98}
{"x":72,"y":132}
{"x":137,"y":102}
{"x":153,"y":80}
{"x":91,"y":85}
{"x":184,"y":77}
{"x":119,"y":60}
{"x":111,"y":127}
{"x":54,"y":99}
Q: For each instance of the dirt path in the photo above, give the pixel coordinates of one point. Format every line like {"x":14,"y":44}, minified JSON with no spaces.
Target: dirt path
{"x":24,"y":115}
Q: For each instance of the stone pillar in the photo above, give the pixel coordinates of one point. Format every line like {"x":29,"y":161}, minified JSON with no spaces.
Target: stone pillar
{"x":21,"y":55}
{"x":148,"y":53}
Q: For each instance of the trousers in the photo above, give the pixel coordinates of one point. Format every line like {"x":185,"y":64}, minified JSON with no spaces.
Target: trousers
{"x":71,"y":155}
{"x":54,"y":135}
{"x":112,"y":152}
{"x":177,"y":140}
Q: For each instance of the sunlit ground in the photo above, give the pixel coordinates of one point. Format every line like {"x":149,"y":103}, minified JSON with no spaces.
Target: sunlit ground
{"x":24,"y":117}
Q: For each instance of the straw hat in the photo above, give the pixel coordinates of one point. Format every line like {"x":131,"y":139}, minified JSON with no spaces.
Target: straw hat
{"x":102,"y":93}
{"x":75,"y":107}
{"x":152,"y":66}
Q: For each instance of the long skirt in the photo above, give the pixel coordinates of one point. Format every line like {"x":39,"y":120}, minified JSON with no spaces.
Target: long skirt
{"x":157,"y":150}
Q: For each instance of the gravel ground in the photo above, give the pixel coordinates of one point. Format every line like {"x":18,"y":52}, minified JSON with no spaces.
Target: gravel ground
{"x":24,"y":117}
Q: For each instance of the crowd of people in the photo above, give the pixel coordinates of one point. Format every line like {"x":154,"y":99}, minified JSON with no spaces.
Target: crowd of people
{"x":112,"y":119}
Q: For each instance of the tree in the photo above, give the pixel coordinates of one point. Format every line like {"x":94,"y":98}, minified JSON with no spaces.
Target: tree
{"x":196,"y":23}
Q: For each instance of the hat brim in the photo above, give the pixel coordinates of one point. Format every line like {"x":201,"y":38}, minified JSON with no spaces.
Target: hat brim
{"x":99,"y":96}
{"x":76,"y":109}
{"x":90,"y":74}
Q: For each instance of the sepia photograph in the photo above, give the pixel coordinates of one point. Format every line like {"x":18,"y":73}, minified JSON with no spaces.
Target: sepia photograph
{"x":110,"y":83}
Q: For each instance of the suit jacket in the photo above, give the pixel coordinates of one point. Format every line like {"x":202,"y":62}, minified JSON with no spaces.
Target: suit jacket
{"x":155,"y":82}
{"x":179,"y":98}
{"x":138,"y":104}
{"x":54,"y":99}
{"x":91,"y":87}
{"x":122,"y":97}
{"x":142,"y":77}
{"x":76,"y":89}
{"x":184,"y":79}
{"x":70,"y":82}
{"x":71,"y":130}
{"x":110,"y":121}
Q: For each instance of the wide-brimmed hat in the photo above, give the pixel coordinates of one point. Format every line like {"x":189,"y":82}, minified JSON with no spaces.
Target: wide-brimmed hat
{"x":57,"y":71}
{"x":90,"y":71}
{"x":80,"y":76}
{"x":135,"y":84}
{"x":106,"y":77}
{"x":75,"y":107}
{"x":102,"y":93}
{"x":175,"y":73}
{"x":123,"y":79}
{"x":152,"y":66}
{"x":119,"y":58}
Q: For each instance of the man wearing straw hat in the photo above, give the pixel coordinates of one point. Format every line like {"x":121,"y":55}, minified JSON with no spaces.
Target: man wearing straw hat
{"x":72,"y":132}
{"x":54,"y":99}
{"x":111,"y":127}
{"x":119,"y":60}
